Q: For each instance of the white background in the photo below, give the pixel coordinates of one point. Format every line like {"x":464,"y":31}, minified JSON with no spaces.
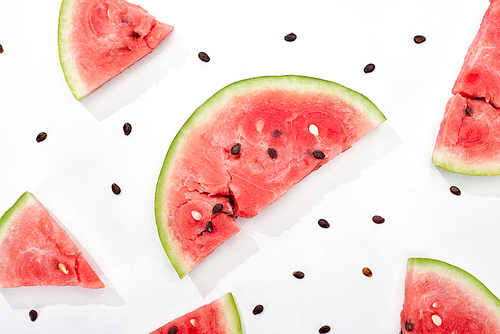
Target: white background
{"x":388,"y":173}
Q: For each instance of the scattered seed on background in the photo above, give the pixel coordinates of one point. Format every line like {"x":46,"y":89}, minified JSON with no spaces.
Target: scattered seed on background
{"x":116,"y":189}
{"x":41,"y":137}
{"x":369,"y":68}
{"x":173,"y":330}
{"x":378,"y":219}
{"x":324,"y":329}
{"x":419,"y":39}
{"x":290,"y":37}
{"x":367,"y":272}
{"x":204,"y":57}
{"x":408,"y":326}
{"x":455,"y":191}
{"x":298,"y":274}
{"x":1,"y":48}
{"x":258,"y":309}
{"x":272,"y":153}
{"x":323,"y":223}
{"x":127,"y":129}
{"x":33,"y":315}
{"x":318,"y":154}
{"x":217,"y":208}
{"x":235,"y":150}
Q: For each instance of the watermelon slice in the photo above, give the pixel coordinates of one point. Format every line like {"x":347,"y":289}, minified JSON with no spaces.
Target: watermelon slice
{"x":98,"y":39}
{"x":441,"y":298}
{"x":243,"y":149}
{"x":219,"y":317}
{"x":35,"y":250}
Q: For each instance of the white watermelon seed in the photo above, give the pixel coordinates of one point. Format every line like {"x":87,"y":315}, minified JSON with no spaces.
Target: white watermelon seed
{"x":63,"y":268}
{"x":193,"y":322}
{"x":436,"y":305}
{"x":436,"y":320}
{"x":313,"y":129}
{"x":196,"y":215}
{"x":260,"y":125}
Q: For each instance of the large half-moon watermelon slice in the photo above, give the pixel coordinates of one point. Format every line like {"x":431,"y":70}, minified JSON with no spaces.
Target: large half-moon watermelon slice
{"x":243,"y":149}
{"x":98,"y":39}
{"x":35,"y":250}
{"x":443,"y":299}
{"x":219,"y":317}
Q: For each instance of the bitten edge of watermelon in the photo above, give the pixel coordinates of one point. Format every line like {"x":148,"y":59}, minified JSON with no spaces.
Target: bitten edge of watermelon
{"x":205,"y":111}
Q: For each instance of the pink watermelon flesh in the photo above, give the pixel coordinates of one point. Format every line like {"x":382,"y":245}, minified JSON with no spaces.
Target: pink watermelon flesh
{"x":269,"y":118}
{"x":98,"y":39}
{"x":480,"y":74}
{"x":443,"y":299}
{"x":33,"y":245}
{"x":219,"y":317}
{"x":467,"y":142}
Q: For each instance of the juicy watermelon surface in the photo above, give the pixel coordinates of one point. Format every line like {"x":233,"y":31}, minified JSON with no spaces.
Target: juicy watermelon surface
{"x":441,"y":298}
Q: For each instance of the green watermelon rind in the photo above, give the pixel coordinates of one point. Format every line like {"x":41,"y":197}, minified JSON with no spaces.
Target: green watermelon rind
{"x":204,"y":112}
{"x":10,"y":214}
{"x":475,"y":286}
{"x":232,"y":313}
{"x":442,"y":160}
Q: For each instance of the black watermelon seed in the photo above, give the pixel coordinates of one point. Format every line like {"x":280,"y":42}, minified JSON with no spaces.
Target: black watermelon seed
{"x":378,"y":219}
{"x":369,"y":68}
{"x":408,"y":326}
{"x":127,"y":129}
{"x":419,"y":39}
{"x":116,"y":189}
{"x":217,"y":208}
{"x":33,"y":315}
{"x":298,"y":274}
{"x":235,"y":150}
{"x":258,"y":309}
{"x":290,"y":37}
{"x":468,"y":111}
{"x":41,"y":137}
{"x":323,"y":223}
{"x":173,"y":330}
{"x":455,"y":191}
{"x":1,"y":48}
{"x":210,"y":226}
{"x":277,"y":133}
{"x":272,"y":153}
{"x":367,"y":272}
{"x":204,"y":57}
{"x":318,"y":154}
{"x":324,"y":329}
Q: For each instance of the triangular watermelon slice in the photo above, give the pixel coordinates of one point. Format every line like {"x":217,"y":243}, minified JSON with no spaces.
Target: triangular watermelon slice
{"x":243,"y":149}
{"x":219,"y":317}
{"x":98,"y":39}
{"x":35,"y":250}
{"x":441,"y":298}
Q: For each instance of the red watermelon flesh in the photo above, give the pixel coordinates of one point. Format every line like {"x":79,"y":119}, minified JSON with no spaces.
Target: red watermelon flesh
{"x":480,"y":74}
{"x":443,"y":299}
{"x":98,"y":39}
{"x":35,"y":250}
{"x":243,"y":149}
{"x":219,"y":317}
{"x":467,"y":142}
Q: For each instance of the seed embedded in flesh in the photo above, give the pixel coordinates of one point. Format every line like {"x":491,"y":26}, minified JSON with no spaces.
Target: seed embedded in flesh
{"x":455,"y":191}
{"x":299,"y":274}
{"x":260,"y":125}
{"x":258,"y":309}
{"x":116,"y":189}
{"x":41,"y":137}
{"x":204,"y":57}
{"x":217,"y":208}
{"x":367,"y":272}
{"x":324,"y":329}
{"x":468,"y":111}
{"x":272,"y":153}
{"x":290,"y":37}
{"x":33,"y":315}
{"x":196,"y":215}
{"x":318,"y":154}
{"x":173,"y":330}
{"x":277,"y":133}
{"x":127,"y":128}
{"x":63,"y":268}
{"x":369,"y":68}
{"x":313,"y":129}
{"x":323,"y":223}
{"x":436,"y":320}
{"x":419,"y":39}
{"x":209,"y":227}
{"x":408,"y":326}
{"x":378,"y":219}
{"x":193,"y":322}
{"x":235,"y":150}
